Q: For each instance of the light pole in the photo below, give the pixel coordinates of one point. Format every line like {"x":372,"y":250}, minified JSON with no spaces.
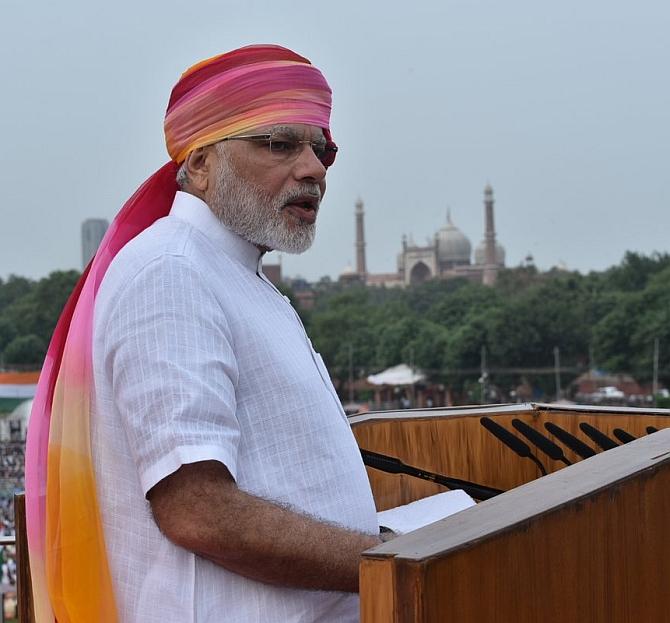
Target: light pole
{"x":351,"y":373}
{"x":557,"y":371}
{"x":411,"y":367}
{"x":484,"y":376}
{"x":654,"y":382}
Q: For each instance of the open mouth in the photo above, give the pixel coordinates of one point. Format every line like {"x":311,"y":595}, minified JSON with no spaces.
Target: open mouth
{"x":303,"y":209}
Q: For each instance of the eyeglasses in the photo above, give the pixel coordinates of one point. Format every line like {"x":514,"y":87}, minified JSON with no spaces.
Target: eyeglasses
{"x":282,"y":147}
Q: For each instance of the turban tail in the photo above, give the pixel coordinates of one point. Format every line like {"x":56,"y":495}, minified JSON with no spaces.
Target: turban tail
{"x":222,"y":96}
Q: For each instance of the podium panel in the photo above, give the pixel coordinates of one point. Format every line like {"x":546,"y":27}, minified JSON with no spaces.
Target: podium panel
{"x":587,"y":543}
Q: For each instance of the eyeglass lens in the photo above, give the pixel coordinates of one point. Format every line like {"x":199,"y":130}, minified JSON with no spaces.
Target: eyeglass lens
{"x":289,"y":147}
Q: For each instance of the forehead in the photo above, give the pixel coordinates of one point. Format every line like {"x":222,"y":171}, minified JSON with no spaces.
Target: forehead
{"x":299,"y":131}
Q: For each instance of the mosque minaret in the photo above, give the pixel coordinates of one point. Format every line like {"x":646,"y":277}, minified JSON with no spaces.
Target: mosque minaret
{"x":490,"y":266}
{"x":489,"y":251}
{"x":361,"y":269}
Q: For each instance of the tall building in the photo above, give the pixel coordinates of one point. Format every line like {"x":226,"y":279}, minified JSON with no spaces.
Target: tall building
{"x":92,"y":232}
{"x":361,"y":269}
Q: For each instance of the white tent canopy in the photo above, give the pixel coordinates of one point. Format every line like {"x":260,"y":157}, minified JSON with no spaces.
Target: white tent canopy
{"x":401,"y":374}
{"x":16,"y":422}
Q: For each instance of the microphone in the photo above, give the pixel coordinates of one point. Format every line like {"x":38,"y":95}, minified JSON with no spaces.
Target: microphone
{"x":651,"y":429}
{"x":543,"y":443}
{"x":577,"y":446}
{"x":392,"y":465}
{"x":511,"y":441}
{"x":601,"y":439}
{"x":623,"y":436}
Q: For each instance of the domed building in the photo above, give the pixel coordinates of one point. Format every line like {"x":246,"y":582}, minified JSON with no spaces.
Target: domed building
{"x":453,"y":247}
{"x":480,"y":254}
{"x":450,"y":250}
{"x":447,"y":256}
{"x":417,"y":264}
{"x":451,"y":254}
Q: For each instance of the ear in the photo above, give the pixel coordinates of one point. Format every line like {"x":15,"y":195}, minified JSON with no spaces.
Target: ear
{"x":199,"y":166}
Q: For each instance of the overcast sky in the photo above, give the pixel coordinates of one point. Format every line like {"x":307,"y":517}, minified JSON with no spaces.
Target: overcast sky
{"x":563,"y":107}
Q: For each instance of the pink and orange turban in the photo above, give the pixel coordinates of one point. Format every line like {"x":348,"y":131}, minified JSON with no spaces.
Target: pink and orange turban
{"x":245,"y":89}
{"x":225,"y":95}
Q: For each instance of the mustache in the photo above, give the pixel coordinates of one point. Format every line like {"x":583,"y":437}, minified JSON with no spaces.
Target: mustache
{"x":305,"y":189}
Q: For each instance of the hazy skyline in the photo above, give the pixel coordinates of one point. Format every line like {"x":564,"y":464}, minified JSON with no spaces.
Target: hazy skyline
{"x":563,"y":108}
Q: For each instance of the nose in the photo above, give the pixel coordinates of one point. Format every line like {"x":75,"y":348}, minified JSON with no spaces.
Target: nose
{"x":308,"y":166}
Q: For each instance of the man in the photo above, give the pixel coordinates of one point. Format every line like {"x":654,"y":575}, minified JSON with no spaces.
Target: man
{"x":229,"y":484}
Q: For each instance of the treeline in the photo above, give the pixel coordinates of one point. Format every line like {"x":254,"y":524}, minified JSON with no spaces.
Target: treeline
{"x":28,"y":314}
{"x":607,"y":320}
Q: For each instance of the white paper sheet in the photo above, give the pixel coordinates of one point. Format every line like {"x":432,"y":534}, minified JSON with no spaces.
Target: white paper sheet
{"x":414,"y":515}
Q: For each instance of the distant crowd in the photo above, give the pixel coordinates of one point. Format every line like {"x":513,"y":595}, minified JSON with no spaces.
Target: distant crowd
{"x":11,"y":481}
{"x":11,"y":464}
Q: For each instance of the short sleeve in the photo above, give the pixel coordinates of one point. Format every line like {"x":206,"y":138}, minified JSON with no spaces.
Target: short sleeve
{"x":169,"y":350}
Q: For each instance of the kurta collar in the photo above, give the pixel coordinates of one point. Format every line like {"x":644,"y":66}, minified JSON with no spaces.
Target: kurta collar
{"x":196,"y":212}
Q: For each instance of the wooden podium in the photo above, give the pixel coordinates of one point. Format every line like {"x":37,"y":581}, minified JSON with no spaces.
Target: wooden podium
{"x":584,"y":544}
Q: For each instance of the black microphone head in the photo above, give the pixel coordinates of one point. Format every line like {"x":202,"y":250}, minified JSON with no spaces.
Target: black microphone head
{"x":600,"y":438}
{"x":502,"y":434}
{"x":382,"y":462}
{"x":576,"y":445}
{"x":535,"y":436}
{"x":623,"y":436}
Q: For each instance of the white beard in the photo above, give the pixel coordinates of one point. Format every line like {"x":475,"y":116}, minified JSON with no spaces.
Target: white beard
{"x":256,"y":216}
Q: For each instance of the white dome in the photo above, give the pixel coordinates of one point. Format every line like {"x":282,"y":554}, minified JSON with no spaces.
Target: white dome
{"x":453,"y":247}
{"x":480,"y":254}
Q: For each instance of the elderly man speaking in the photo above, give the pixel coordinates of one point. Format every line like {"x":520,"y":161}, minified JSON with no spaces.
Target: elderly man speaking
{"x":188,"y":458}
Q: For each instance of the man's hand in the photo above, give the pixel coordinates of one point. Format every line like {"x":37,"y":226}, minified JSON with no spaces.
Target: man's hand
{"x":200,"y":508}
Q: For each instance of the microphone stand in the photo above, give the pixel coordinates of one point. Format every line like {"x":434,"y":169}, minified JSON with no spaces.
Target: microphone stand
{"x":392,"y":465}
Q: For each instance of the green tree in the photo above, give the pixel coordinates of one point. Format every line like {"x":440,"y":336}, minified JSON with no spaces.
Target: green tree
{"x":38,"y":311}
{"x":635,"y":271}
{"x":555,"y":314}
{"x":466,"y":301}
{"x":343,"y":321}
{"x":7,"y":332}
{"x":624,"y":337}
{"x":652,"y":322}
{"x":13,"y":289}
{"x":25,"y":350}
{"x":512,"y":281}
{"x":429,"y":349}
{"x":465,"y":343}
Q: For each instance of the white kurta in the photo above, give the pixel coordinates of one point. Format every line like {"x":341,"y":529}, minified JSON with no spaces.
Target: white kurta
{"x":198,"y":357}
